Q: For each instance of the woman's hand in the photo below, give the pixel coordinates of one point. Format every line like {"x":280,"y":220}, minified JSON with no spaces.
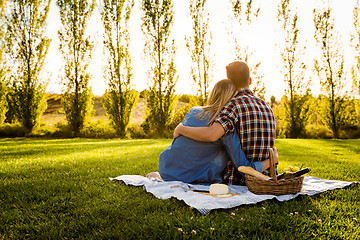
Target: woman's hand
{"x":177,"y":130}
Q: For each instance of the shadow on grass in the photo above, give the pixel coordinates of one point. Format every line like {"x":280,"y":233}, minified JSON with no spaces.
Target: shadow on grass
{"x":77,"y":200}
{"x":332,"y":159}
{"x":47,"y":161}
{"x":29,"y":147}
{"x":351,"y":145}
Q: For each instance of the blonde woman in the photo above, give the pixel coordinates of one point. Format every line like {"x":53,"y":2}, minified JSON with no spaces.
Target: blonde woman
{"x":191,"y":161}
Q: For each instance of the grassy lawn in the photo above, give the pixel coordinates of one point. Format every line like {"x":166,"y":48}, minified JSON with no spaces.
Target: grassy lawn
{"x":52,"y":189}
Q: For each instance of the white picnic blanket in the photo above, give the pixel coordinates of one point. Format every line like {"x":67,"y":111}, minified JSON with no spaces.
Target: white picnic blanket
{"x":206,"y":203}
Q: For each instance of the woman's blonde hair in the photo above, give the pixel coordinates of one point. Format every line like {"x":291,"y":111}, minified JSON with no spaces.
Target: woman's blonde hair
{"x":221,"y":94}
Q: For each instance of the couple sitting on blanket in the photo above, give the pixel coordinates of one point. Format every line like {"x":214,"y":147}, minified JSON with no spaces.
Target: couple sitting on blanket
{"x":234,"y":129}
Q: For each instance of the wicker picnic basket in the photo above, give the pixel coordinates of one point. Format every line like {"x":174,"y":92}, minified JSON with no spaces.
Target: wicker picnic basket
{"x":274,"y":187}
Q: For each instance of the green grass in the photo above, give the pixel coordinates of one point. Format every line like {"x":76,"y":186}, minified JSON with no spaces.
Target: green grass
{"x":52,"y":189}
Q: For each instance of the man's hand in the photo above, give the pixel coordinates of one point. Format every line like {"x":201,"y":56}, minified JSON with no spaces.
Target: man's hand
{"x":177,"y":130}
{"x":202,"y":134}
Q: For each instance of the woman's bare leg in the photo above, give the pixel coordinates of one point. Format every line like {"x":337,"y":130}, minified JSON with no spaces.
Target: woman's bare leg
{"x":154,"y":175}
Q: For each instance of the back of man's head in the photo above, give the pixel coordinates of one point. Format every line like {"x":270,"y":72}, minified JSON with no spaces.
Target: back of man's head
{"x":239,"y":73}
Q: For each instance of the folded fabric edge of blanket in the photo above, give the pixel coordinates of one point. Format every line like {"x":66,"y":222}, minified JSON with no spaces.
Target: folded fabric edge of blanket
{"x":144,"y":180}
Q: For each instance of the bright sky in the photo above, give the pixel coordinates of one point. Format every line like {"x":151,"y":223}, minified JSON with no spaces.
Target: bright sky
{"x":263,"y":37}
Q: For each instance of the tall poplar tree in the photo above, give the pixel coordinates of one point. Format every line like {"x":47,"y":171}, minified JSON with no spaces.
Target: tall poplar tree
{"x":158,"y":16}
{"x":27,"y":47}
{"x":76,"y":49}
{"x":119,"y":100}
{"x":295,"y":102}
{"x":3,"y":68}
{"x":199,"y":45}
{"x":330,"y":69}
{"x":243,"y":14}
{"x":355,"y":69}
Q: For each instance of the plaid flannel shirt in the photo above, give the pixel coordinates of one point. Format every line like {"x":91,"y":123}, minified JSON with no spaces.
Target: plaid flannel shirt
{"x":254,"y":120}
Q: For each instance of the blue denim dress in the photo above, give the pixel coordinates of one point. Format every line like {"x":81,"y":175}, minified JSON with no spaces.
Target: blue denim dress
{"x":191,"y":161}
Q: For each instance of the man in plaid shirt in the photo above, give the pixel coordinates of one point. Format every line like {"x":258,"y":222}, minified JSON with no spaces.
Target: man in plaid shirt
{"x":252,"y":117}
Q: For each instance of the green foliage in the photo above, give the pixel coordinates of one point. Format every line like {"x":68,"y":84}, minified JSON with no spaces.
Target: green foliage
{"x":330,"y":68}
{"x":199,"y":45}
{"x":181,"y":110}
{"x":272,"y":101}
{"x":93,"y":129}
{"x":98,"y":129}
{"x":346,"y":117}
{"x":119,"y":100}
{"x":143,"y":93}
{"x":76,"y":49}
{"x":294,"y":115}
{"x":355,"y":69}
{"x":3,"y":67}
{"x":346,"y":108}
{"x":318,"y":132}
{"x":136,"y":131}
{"x":119,"y":106}
{"x":12,"y":130}
{"x":314,"y":124}
{"x":60,"y":189}
{"x":77,"y":107}
{"x":349,"y":112}
{"x":31,"y":103}
{"x":27,"y":47}
{"x":159,"y":112}
{"x":160,"y":52}
{"x":355,"y":39}
{"x":189,"y":98}
{"x":295,"y":103}
{"x":357,"y":110}
{"x":11,"y":105}
{"x":3,"y":103}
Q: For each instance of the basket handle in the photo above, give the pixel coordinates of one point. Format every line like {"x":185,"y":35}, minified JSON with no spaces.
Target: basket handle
{"x":272,"y":165}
